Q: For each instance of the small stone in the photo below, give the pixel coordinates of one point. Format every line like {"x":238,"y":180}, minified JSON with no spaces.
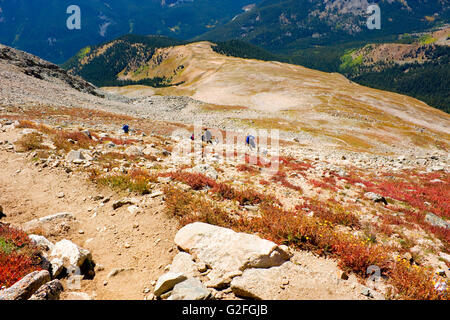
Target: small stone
{"x":49,"y":291}
{"x":201,"y":266}
{"x":167,"y":281}
{"x":190,"y":289}
{"x":366,"y":292}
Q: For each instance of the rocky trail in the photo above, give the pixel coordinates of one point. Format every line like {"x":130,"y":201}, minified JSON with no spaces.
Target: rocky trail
{"x":29,"y":192}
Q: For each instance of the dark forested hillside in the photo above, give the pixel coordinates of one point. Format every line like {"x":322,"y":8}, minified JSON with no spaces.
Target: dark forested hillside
{"x":429,"y":82}
{"x":102,"y":69}
{"x":241,"y":49}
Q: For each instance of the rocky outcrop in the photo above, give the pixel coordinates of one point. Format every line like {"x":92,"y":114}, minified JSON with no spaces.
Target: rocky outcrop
{"x":227,"y":252}
{"x":216,"y":255}
{"x":183,"y":263}
{"x":67,"y":255}
{"x":44,"y":70}
{"x":436,"y":221}
{"x":49,"y":291}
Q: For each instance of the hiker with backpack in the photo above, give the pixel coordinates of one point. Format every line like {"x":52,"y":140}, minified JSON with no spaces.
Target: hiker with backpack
{"x":250,"y":142}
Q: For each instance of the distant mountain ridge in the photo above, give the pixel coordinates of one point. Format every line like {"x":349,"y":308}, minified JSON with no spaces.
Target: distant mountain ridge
{"x":284,"y":25}
{"x":38,"y":27}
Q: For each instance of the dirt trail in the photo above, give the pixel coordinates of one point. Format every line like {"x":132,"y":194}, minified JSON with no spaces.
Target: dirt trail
{"x":27,"y":192}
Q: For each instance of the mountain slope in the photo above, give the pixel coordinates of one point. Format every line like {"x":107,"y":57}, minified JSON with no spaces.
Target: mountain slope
{"x":35,"y":67}
{"x":266,"y":94}
{"x":101,"y":64}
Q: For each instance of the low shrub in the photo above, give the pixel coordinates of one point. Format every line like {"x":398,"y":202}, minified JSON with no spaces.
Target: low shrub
{"x":413,"y":282}
{"x":331,"y":211}
{"x":136,"y":180}
{"x":31,"y":141}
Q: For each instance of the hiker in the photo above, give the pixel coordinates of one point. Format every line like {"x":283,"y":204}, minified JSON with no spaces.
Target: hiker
{"x":126,"y":128}
{"x":192,"y":137}
{"x":207,"y":136}
{"x":250,"y":142}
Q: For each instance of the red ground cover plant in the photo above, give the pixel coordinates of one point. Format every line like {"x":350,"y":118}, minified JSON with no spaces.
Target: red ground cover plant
{"x":198,"y":181}
{"x":246,"y":168}
{"x":17,"y":256}
{"x":322,"y":184}
{"x":280,"y":177}
{"x":295,"y":165}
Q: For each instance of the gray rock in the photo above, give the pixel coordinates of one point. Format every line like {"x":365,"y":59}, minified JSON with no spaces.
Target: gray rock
{"x":226,"y":251}
{"x":366,"y":292}
{"x":288,"y":281}
{"x":207,"y":170}
{"x":436,"y":221}
{"x":49,"y":223}
{"x":75,"y":155}
{"x":167,"y":281}
{"x":38,"y":68}
{"x":41,"y":242}
{"x":120,"y":203}
{"x":156,"y":194}
{"x":190,"y":289}
{"x":116,"y":271}
{"x":134,"y":151}
{"x":49,"y":291}
{"x":24,"y":289}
